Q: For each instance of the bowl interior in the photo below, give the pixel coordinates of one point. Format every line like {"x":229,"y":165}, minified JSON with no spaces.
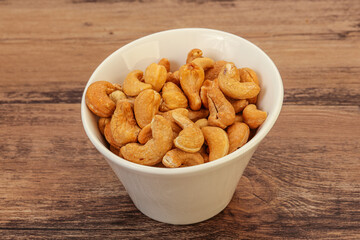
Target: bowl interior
{"x":174,"y":45}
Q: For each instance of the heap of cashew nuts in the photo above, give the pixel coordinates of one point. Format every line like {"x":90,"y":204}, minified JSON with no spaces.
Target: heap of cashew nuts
{"x":199,"y":113}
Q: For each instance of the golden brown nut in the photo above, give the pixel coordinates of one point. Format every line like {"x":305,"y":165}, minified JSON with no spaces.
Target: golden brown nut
{"x":191,"y":79}
{"x":239,"y":118}
{"x":173,"y":97}
{"x":168,"y":115}
{"x":190,"y":139}
{"x":207,"y":84}
{"x":122,"y":128}
{"x":230,"y":85}
{"x":203,"y":122}
{"x":196,"y":115}
{"x":248,"y":75}
{"x":155,"y":75}
{"x":253,"y":117}
{"x":97,"y":98}
{"x":145,"y":134}
{"x":173,"y":77}
{"x":238,"y":134}
{"x":102,"y":123}
{"x":177,"y":158}
{"x":154,"y":150}
{"x":165,"y":62}
{"x":132,"y":84}
{"x":205,"y":62}
{"x":194,"y":53}
{"x":146,"y":106}
{"x":239,"y":105}
{"x":117,"y":95}
{"x":217,"y":140}
{"x":222,"y":113}
{"x":213,"y":72}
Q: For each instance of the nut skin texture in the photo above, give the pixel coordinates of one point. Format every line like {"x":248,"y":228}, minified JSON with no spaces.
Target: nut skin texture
{"x":172,"y":97}
{"x":178,"y":158}
{"x":222,"y":113}
{"x":230,"y":85}
{"x":117,"y":96}
{"x":217,"y":140}
{"x":253,"y":117}
{"x":238,"y":134}
{"x":166,"y":63}
{"x":132,"y":84}
{"x":205,"y":62}
{"x":193,"y":54}
{"x":190,"y":139}
{"x":97,"y":98}
{"x":145,"y":134}
{"x":102,"y":123}
{"x":249,"y":75}
{"x":196,"y":115}
{"x":155,"y":75}
{"x":239,"y":105}
{"x":146,"y":105}
{"x":122,"y":128}
{"x":207,"y":84}
{"x":173,"y":77}
{"x":191,"y":80}
{"x":168,"y":115}
{"x":154,"y":150}
{"x":213,"y":72}
{"x":203,"y":122}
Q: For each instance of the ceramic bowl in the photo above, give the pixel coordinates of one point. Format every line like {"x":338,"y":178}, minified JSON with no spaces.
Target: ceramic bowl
{"x":190,"y":194}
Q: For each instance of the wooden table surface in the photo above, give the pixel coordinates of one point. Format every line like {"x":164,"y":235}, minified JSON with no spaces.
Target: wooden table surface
{"x":302,"y":183}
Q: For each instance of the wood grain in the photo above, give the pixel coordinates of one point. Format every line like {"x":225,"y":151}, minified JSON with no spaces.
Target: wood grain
{"x":303,"y":182}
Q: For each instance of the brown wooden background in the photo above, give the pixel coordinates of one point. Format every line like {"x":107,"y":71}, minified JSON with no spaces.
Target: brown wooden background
{"x":302,"y":183}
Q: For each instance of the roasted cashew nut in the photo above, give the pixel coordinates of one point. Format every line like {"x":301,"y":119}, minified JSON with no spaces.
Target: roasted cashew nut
{"x":146,"y":106}
{"x":154,"y":150}
{"x":122,"y":128}
{"x":203,"y":122}
{"x":168,"y":115}
{"x":155,"y":75}
{"x":102,"y":123}
{"x":213,"y":72}
{"x":190,"y":139}
{"x":222,"y":113}
{"x":166,"y":63}
{"x":230,"y":85}
{"x":173,"y":77}
{"x":132,"y":84}
{"x":172,"y":97}
{"x":239,"y":105}
{"x":207,"y":84}
{"x":217,"y":140}
{"x":97,"y":98}
{"x":253,"y":117}
{"x":196,"y":115}
{"x":248,"y":75}
{"x":193,"y":54}
{"x":191,"y":80}
{"x":238,"y":134}
{"x":117,"y":96}
{"x":177,"y":158}
{"x":205,"y":63}
{"x":145,"y":134}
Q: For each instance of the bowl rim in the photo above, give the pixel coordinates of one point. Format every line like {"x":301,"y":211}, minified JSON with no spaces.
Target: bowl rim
{"x":259,"y":136}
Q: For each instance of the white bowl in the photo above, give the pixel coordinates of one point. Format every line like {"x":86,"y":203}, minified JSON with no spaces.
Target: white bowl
{"x":191,"y":194}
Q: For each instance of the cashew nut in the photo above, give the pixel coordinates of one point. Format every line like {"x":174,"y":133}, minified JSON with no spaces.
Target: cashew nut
{"x":207,"y":84}
{"x":122,"y":128}
{"x":168,"y":115}
{"x":117,"y":95}
{"x":102,"y":123}
{"x":165,"y":62}
{"x":191,"y":79}
{"x":173,"y":97}
{"x":203,"y":122}
{"x":205,"y":62}
{"x":217,"y":140}
{"x":253,"y":117}
{"x":213,"y":72}
{"x":132,"y":84}
{"x":190,"y":139}
{"x":196,"y":115}
{"x":155,"y":75}
{"x":97,"y":98}
{"x":154,"y":150}
{"x":238,"y":134}
{"x":145,"y":134}
{"x":230,"y":85}
{"x":222,"y":113}
{"x":173,"y":77}
{"x":178,"y":158}
{"x":248,"y":75}
{"x":193,"y":54}
{"x":239,"y":118}
{"x":238,"y":105}
{"x":146,"y":106}
{"x":204,"y":154}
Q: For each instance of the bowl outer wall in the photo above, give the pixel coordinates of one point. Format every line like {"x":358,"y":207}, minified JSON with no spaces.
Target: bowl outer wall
{"x":174,"y":44}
